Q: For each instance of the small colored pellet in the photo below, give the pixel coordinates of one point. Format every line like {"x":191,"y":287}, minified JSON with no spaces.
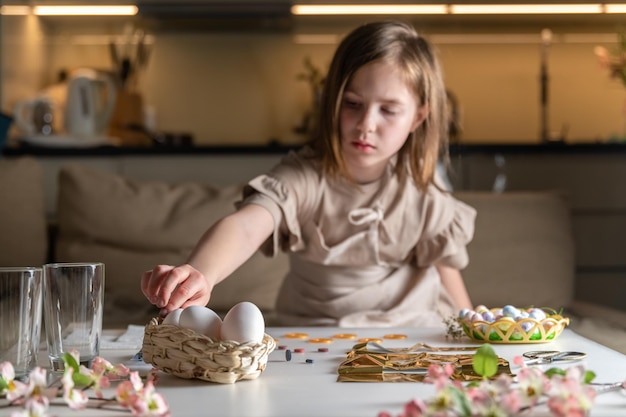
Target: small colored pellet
{"x":344,"y":336}
{"x":309,"y":361}
{"x":297,"y":335}
{"x":321,"y":340}
{"x":395,"y":336}
{"x":322,"y":349}
{"x":371,"y":339}
{"x":299,"y":350}
{"x":282,"y":347}
{"x":288,"y":355}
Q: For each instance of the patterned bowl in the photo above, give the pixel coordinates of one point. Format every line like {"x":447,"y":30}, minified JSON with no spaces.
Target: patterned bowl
{"x":508,"y":330}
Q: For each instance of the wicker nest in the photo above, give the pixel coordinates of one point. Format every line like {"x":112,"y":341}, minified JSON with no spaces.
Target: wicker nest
{"x":187,"y":354}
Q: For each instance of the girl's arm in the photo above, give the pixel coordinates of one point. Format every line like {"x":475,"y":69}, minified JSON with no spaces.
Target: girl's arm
{"x":452,"y":281}
{"x":220,"y":251}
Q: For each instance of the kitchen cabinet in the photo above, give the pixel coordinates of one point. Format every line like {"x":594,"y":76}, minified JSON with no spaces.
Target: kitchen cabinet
{"x":209,"y":72}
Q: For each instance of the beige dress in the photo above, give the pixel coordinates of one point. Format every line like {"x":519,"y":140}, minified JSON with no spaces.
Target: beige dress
{"x":360,"y":257}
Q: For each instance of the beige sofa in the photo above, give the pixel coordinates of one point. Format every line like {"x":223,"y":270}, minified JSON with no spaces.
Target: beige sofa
{"x":522,"y":252}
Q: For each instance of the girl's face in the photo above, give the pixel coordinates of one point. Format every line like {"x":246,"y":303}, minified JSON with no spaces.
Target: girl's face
{"x":378,"y":112}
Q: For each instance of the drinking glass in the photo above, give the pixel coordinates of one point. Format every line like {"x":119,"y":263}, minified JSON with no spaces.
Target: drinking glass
{"x":73,"y":300}
{"x":20,"y":317}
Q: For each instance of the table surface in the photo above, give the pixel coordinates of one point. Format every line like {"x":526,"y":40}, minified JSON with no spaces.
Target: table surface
{"x":299,"y":389}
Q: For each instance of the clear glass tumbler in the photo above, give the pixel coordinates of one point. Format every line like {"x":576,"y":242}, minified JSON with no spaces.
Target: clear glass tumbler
{"x":73,"y":302}
{"x":20,"y":317}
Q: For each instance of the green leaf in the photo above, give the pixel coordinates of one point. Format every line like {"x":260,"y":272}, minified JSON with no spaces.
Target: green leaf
{"x":462,"y":403}
{"x":554,"y":371}
{"x":589,"y":376}
{"x":485,"y":361}
{"x":70,"y":361}
{"x":81,"y":380}
{"x":4,"y":384}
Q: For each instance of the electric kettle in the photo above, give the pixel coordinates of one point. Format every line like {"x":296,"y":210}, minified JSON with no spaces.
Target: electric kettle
{"x":89,"y":104}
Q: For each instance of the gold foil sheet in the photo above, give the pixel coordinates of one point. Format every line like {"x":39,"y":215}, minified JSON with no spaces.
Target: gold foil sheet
{"x":362,"y":365}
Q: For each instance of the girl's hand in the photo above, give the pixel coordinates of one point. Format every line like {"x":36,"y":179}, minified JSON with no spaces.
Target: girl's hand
{"x":169,"y":287}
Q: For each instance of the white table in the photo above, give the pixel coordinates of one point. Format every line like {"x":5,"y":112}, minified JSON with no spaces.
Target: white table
{"x":299,"y":389}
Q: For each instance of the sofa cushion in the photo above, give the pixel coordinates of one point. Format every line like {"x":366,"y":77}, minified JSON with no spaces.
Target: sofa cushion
{"x":23,"y":226}
{"x":523,"y":250}
{"x":132,"y":226}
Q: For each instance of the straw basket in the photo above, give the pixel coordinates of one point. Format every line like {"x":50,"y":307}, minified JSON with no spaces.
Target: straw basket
{"x":187,"y":354}
{"x":522,"y":331}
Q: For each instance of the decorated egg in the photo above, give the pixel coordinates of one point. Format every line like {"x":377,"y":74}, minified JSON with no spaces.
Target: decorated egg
{"x":476,"y":317}
{"x":527,"y":325}
{"x":537,"y":314}
{"x":173,"y":317}
{"x":510,"y":311}
{"x":505,"y":323}
{"x":243,"y":323}
{"x":481,"y":309}
{"x":488,"y":316}
{"x":464,"y":312}
{"x":201,"y":320}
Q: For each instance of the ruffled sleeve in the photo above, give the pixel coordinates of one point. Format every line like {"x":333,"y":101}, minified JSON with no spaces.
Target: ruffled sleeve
{"x":449,"y":230}
{"x":289,"y":193}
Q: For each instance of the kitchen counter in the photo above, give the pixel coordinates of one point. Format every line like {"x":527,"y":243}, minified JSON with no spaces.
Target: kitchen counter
{"x":274,"y":149}
{"x":98,"y":151}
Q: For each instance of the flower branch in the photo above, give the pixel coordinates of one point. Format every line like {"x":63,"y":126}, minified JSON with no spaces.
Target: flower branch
{"x":36,"y":396}
{"x":566,"y":393}
{"x":614,"y":61}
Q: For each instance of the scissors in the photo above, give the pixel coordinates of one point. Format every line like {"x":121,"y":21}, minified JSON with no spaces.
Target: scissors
{"x":540,"y":357}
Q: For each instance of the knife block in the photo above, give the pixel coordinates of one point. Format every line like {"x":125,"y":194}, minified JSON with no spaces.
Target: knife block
{"x":127,"y":120}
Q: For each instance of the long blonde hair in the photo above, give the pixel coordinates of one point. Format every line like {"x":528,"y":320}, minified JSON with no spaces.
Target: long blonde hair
{"x":399,"y":44}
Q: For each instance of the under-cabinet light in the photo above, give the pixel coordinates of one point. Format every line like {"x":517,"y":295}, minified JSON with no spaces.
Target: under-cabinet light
{"x":615,"y":8}
{"x":539,"y":8}
{"x":14,"y":10}
{"x":525,"y":8}
{"x":108,"y":10}
{"x":354,"y":9}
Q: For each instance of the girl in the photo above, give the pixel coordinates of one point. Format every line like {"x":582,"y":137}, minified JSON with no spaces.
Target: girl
{"x":372,"y":239}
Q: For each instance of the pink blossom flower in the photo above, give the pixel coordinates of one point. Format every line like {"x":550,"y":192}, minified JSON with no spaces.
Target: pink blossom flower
{"x":75,"y":399}
{"x":439,"y":375}
{"x":512,"y":402}
{"x":7,"y":372}
{"x":533,"y":384}
{"x":155,"y":402}
{"x":486,"y":397}
{"x":568,"y":396}
{"x":139,"y":399}
{"x":102,"y":372}
{"x":414,"y":408}
{"x":124,"y":394}
{"x":32,"y":408}
{"x":36,"y":388}
{"x":101,"y":366}
{"x":8,"y":386}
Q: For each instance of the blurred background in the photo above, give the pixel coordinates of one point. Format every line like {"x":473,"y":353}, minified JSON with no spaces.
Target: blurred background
{"x":245,"y":73}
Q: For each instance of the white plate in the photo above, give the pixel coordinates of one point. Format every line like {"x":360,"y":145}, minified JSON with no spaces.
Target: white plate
{"x":56,"y":141}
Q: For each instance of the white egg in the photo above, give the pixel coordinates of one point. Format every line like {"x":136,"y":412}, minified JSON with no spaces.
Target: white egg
{"x":202,"y":320}
{"x":244,"y":323}
{"x":173,"y":317}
